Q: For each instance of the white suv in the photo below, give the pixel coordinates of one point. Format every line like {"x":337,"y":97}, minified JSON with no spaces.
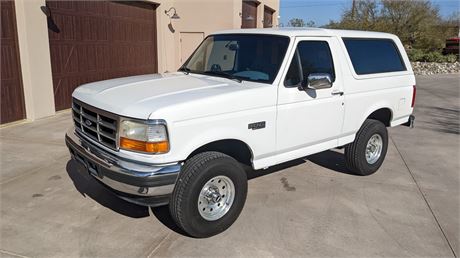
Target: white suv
{"x":256,"y":97}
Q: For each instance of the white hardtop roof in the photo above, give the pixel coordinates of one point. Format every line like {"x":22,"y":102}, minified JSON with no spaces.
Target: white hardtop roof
{"x":309,"y":32}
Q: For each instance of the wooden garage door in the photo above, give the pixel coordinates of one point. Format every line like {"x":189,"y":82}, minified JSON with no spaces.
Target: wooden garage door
{"x":12,"y":96}
{"x":249,"y":14}
{"x":98,"y":40}
{"x":268,"y":17}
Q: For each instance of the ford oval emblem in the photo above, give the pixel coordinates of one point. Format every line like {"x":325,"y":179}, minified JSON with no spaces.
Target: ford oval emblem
{"x":88,"y":122}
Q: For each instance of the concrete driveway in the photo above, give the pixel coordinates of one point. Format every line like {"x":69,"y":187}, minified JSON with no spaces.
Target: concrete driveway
{"x":309,"y":207}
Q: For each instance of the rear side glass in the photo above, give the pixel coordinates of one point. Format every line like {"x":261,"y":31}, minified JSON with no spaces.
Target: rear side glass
{"x":370,"y":56}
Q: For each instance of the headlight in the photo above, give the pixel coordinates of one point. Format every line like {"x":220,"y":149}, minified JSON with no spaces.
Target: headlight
{"x":143,"y":137}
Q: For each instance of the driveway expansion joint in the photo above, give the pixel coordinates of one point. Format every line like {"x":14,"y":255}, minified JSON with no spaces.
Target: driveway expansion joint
{"x":12,"y":254}
{"x":424,"y":198}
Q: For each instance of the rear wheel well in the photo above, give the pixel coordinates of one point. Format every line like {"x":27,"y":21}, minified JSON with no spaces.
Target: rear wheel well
{"x":234,"y":148}
{"x":383,"y":115}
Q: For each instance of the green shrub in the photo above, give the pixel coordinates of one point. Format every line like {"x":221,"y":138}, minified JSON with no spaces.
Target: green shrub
{"x":451,"y":58}
{"x":419,"y":55}
{"x":434,"y":57}
{"x":416,"y":55}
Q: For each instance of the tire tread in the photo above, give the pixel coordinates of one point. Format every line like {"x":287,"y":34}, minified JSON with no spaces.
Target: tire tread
{"x":353,"y":157}
{"x":190,"y":170}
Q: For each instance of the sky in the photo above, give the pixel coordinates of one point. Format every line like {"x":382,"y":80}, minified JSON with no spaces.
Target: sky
{"x":321,"y":11}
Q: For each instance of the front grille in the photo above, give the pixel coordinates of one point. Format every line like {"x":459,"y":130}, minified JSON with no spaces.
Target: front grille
{"x":96,"y":124}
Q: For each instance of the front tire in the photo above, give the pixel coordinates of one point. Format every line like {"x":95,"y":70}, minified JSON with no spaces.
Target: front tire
{"x":209,"y":194}
{"x":365,"y":155}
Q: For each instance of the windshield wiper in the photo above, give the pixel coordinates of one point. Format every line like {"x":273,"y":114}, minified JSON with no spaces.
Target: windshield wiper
{"x":223,"y":74}
{"x":185,"y":70}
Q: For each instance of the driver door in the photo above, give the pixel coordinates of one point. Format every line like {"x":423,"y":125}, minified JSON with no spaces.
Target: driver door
{"x":309,"y":120}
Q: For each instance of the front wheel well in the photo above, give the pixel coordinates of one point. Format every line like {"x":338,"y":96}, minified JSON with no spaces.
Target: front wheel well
{"x":236,"y":149}
{"x":383,"y":115}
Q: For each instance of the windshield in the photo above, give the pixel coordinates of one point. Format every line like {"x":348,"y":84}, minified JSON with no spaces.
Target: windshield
{"x":251,"y":57}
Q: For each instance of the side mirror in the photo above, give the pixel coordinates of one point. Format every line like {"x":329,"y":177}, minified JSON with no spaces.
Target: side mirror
{"x":317,"y":81}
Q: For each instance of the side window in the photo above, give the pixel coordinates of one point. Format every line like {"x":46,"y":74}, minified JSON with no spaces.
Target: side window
{"x":310,"y":57}
{"x":374,"y":55}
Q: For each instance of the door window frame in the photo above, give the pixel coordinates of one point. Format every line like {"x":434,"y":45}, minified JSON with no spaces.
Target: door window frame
{"x":295,"y":50}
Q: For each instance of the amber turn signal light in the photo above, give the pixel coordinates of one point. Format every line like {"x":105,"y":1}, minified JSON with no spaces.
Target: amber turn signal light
{"x":149,"y":147}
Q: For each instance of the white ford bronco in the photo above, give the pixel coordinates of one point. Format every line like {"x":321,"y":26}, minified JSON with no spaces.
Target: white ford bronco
{"x":256,"y":97}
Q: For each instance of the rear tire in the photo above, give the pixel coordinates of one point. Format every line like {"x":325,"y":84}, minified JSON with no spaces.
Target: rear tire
{"x":209,"y":194}
{"x":365,"y":155}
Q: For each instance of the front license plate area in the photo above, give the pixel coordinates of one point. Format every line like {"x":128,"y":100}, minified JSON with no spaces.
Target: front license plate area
{"x":92,"y":169}
{"x":89,"y":166}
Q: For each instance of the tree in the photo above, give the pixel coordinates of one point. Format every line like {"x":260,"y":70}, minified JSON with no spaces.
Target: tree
{"x":416,"y":22}
{"x":311,"y":24}
{"x":364,"y":16}
{"x":296,"y":22}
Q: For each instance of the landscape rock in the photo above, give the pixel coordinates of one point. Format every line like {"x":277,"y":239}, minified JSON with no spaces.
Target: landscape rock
{"x":427,"y":68}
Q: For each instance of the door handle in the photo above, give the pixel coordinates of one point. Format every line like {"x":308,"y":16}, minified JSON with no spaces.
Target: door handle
{"x":337,"y":93}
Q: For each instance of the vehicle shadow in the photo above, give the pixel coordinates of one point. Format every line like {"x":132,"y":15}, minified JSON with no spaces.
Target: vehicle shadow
{"x":444,"y":120}
{"x":163,"y":215}
{"x":89,"y":187}
{"x":332,"y":160}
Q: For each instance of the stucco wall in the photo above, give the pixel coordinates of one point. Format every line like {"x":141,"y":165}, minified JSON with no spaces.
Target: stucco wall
{"x":205,"y":16}
{"x":34,"y":54}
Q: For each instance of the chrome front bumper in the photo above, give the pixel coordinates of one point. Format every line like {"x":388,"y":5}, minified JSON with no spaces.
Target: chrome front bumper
{"x":137,"y":182}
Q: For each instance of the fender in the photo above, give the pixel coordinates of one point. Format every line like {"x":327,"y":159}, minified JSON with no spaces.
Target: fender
{"x":375,"y":107}
{"x":198,"y":143}
{"x":209,"y":135}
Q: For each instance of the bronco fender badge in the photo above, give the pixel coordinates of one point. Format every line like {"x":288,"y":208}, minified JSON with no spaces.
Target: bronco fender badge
{"x":256,"y":125}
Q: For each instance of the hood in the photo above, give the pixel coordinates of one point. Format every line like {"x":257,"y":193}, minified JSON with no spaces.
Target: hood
{"x":145,"y":96}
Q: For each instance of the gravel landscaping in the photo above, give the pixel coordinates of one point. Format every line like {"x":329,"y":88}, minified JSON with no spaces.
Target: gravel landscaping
{"x":428,"y":68}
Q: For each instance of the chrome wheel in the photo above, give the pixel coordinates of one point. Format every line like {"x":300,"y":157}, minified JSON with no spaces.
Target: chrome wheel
{"x":374,"y":148}
{"x":216,"y":198}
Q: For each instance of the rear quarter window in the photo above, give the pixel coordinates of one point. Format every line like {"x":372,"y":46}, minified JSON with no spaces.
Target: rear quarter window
{"x":370,"y":56}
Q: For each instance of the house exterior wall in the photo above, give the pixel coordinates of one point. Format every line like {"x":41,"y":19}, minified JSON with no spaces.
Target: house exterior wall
{"x":201,"y":16}
{"x":204,"y":16}
{"x":34,"y":52}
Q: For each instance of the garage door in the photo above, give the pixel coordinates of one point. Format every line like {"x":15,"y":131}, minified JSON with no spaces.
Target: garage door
{"x":268,"y":17}
{"x":12,"y":96}
{"x":98,"y":40}
{"x":249,"y":14}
